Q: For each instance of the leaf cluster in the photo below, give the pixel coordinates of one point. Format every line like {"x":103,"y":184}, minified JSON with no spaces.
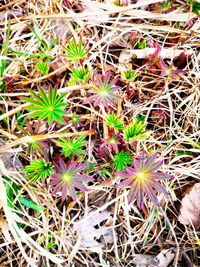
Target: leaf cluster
{"x":121,"y":160}
{"x":38,"y":169}
{"x":50,"y":106}
{"x":135,"y":131}
{"x":71,"y":145}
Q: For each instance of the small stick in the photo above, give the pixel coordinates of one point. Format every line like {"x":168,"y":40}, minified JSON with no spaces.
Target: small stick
{"x":13,"y":111}
{"x":9,"y":4}
{"x":33,"y":138}
{"x":62,"y":90}
{"x":45,"y":76}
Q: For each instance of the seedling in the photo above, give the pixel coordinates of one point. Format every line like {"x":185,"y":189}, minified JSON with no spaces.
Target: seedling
{"x":46,"y":106}
{"x":80,"y":75}
{"x":76,"y":52}
{"x":103,"y":91}
{"x":114,"y":122}
{"x":143,"y":179}
{"x":121,"y":160}
{"x":68,"y":178}
{"x":135,"y":131}
{"x":71,"y":145}
{"x":38,"y":169}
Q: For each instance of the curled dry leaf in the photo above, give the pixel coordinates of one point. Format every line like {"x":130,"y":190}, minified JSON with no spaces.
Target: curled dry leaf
{"x":11,"y":162}
{"x":163,"y":259}
{"x":60,"y":29}
{"x":99,"y":14}
{"x":190,"y":209}
{"x":90,"y":230}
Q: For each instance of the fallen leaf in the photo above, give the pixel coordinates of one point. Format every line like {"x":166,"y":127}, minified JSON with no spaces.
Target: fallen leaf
{"x":163,"y":259}
{"x":190,"y":209}
{"x":93,"y":20}
{"x":11,"y":162}
{"x":91,"y":231}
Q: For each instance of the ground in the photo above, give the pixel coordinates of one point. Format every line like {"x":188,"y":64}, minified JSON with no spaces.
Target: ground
{"x":94,"y":93}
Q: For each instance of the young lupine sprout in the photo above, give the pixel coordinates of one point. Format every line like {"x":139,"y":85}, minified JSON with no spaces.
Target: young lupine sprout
{"x":129,"y":75}
{"x":143,"y":178}
{"x":142,"y":44}
{"x":103,"y":91}
{"x":38,"y":169}
{"x":111,"y":143}
{"x":34,"y":147}
{"x":165,"y":7}
{"x":121,"y":3}
{"x":135,"y":131}
{"x":76,"y":52}
{"x":121,"y":160}
{"x":114,"y":122}
{"x":75,"y":119}
{"x":71,"y":145}
{"x":80,"y":75}
{"x":170,"y":71}
{"x":68,"y":178}
{"x":50,"y":106}
{"x":42,"y":67}
{"x":191,"y":5}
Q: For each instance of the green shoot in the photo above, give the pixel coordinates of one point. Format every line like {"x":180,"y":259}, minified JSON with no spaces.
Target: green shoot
{"x":76,"y":52}
{"x":71,"y":145}
{"x":42,"y":67}
{"x":121,"y":160}
{"x":46,"y":106}
{"x":135,"y":131}
{"x":114,"y":122}
{"x":38,"y":169}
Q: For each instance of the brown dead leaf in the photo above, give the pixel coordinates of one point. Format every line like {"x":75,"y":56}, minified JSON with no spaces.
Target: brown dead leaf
{"x":60,"y":29}
{"x":11,"y":162}
{"x":90,"y":231}
{"x":190,"y":209}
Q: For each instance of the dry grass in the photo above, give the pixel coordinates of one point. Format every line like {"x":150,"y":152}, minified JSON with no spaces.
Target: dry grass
{"x":107,"y":28}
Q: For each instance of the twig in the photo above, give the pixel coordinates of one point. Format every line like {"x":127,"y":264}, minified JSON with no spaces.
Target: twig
{"x":9,"y":4}
{"x":33,"y":138}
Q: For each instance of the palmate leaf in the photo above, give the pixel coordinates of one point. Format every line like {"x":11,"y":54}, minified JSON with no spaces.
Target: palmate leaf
{"x":80,"y":75}
{"x":38,"y":169}
{"x":50,"y":106}
{"x":42,"y":67}
{"x":143,"y":178}
{"x":71,"y":145}
{"x":68,"y":178}
{"x":103,"y":91}
{"x":76,"y":52}
{"x":135,"y":131}
{"x":129,"y":75}
{"x":121,"y":160}
{"x":114,"y":122}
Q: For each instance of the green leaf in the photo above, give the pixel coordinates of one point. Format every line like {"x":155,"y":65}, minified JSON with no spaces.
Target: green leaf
{"x":10,"y":196}
{"x":45,"y":106}
{"x":5,"y":51}
{"x":30,"y":204}
{"x":38,"y":169}
{"x":114,"y":122}
{"x":71,"y":145}
{"x":135,"y":131}
{"x":121,"y":160}
{"x":76,"y":52}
